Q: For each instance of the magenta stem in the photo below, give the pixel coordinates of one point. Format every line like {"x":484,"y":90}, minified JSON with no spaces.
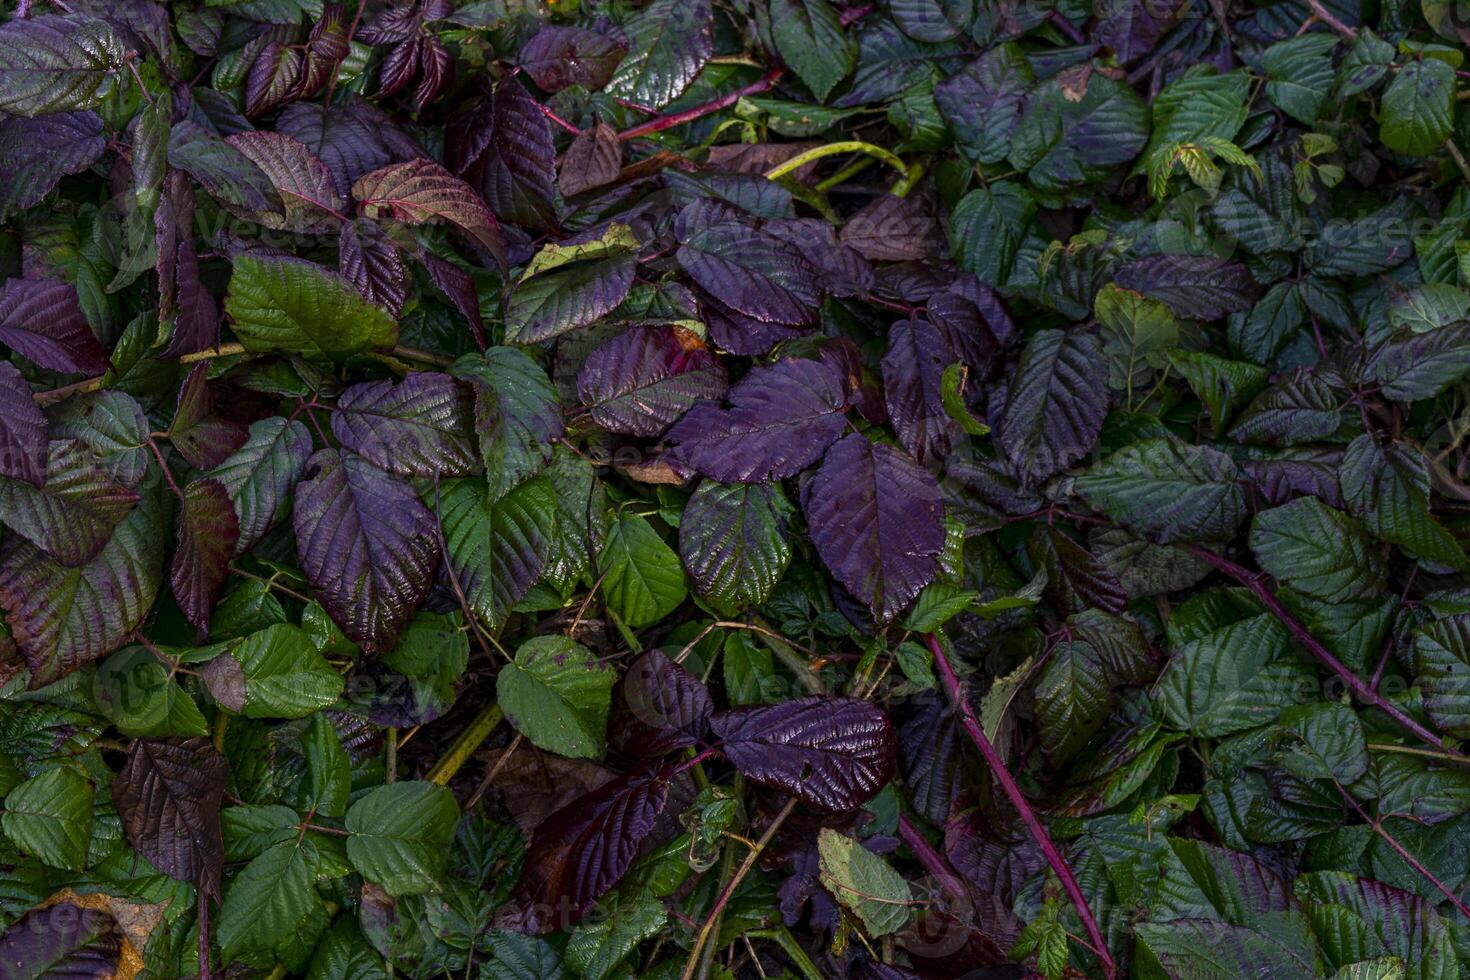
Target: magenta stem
{"x":1366,"y":694}
{"x":698,"y":112}
{"x":1018,"y":800}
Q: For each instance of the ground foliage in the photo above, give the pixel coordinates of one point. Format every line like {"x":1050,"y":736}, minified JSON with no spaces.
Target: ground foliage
{"x":768,"y":488}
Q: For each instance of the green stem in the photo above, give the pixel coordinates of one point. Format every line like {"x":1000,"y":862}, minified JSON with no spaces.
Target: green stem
{"x":907,"y":181}
{"x":832,"y":149}
{"x":845,"y":174}
{"x":469,"y":740}
{"x":782,"y":937}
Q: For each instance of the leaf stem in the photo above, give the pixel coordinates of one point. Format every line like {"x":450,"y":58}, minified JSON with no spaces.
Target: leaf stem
{"x":1403,"y":852}
{"x":163,"y":465}
{"x":1327,"y":17}
{"x":700,"y":111}
{"x":1254,"y":582}
{"x":832,"y":149}
{"x":1023,"y":808}
{"x":751,"y":857}
{"x":469,"y":740}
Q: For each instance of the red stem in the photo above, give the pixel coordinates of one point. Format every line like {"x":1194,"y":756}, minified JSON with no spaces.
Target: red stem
{"x":1267,"y":598}
{"x":852,"y":14}
{"x":698,"y":112}
{"x":1018,"y":800}
{"x":932,"y":860}
{"x":560,"y":121}
{"x":158,"y":455}
{"x":1403,"y":852}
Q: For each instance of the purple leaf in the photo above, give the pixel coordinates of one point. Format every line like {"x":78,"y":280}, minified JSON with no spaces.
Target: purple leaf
{"x":876,"y":519}
{"x":201,"y":436}
{"x":1075,"y":579}
{"x":917,"y":356}
{"x":208,"y":532}
{"x":559,"y":301}
{"x":594,"y":159}
{"x":367,"y":545}
{"x":835,"y":753}
{"x":168,"y":797}
{"x":558,"y":57}
{"x":584,"y":848}
{"x":511,"y":157}
{"x":1202,"y":287}
{"x":645,"y":378}
{"x":399,"y":66}
{"x":421,"y":426}
{"x":23,"y":443}
{"x":458,"y":288}
{"x":929,"y":754}
{"x":63,"y":617}
{"x":41,"y":320}
{"x":436,"y":66}
{"x":351,"y":137}
{"x":745,"y":336}
{"x":196,"y":320}
{"x":62,"y":942}
{"x":781,"y":418}
{"x":966,"y":330}
{"x":273,"y":78}
{"x":663,"y":708}
{"x":73,"y":513}
{"x":369,"y":260}
{"x":299,"y":176}
{"x":892,"y":229}
{"x":842,"y":269}
{"x":1055,"y":404}
{"x":36,"y":153}
{"x":229,"y":176}
{"x":420,"y":192}
{"x":751,"y":272}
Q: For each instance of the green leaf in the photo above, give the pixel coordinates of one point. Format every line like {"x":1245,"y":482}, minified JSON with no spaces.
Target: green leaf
{"x":810,"y":39}
{"x":496,"y":550}
{"x":1317,"y":550}
{"x":1168,"y":491}
{"x":1388,"y":488}
{"x":595,"y":950}
{"x":1233,"y":678}
{"x":863,"y":883}
{"x":1299,"y":74}
{"x":142,"y":698}
{"x":1442,"y":668}
{"x":1206,"y":949}
{"x":1073,"y":699}
{"x":641,"y":576}
{"x":1136,"y":332}
{"x":1225,"y":386}
{"x":557,"y":695}
{"x":278,"y":303}
{"x":55,"y":64}
{"x":732,"y":538}
{"x":50,"y":817}
{"x":517,"y":414}
{"x":271,"y":908}
{"x":285,"y":676}
{"x":1417,"y":112}
{"x":987,"y":228}
{"x":328,"y":769}
{"x":399,"y":836}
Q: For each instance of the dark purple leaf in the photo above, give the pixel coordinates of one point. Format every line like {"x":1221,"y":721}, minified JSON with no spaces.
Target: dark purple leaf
{"x":1055,"y":404}
{"x":351,"y":137}
{"x":918,"y":353}
{"x":991,"y":865}
{"x":751,"y":272}
{"x":1075,"y":579}
{"x":399,"y":66}
{"x":23,"y":443}
{"x":558,"y":57}
{"x":36,"y":153}
{"x":745,"y":336}
{"x":929,"y":754}
{"x":892,"y":229}
{"x":584,"y":848}
{"x":209,"y":529}
{"x":841,"y":268}
{"x":967,"y":331}
{"x":367,"y":545}
{"x":663,"y":708}
{"x":41,"y":320}
{"x":513,"y":163}
{"x":435,"y":66}
{"x":1201,"y":287}
{"x":1132,"y":28}
{"x":594,"y":159}
{"x":228,"y":175}
{"x":168,"y":798}
{"x":62,"y":942}
{"x":645,"y":378}
{"x":781,"y":418}
{"x":197,"y":326}
{"x":572,"y":296}
{"x":457,"y":287}
{"x":225,"y":680}
{"x":421,"y":426}
{"x":835,"y":753}
{"x":877,"y":522}
{"x":273,"y":78}
{"x":369,"y":260}
{"x":303,"y":181}
{"x":198,"y":433}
